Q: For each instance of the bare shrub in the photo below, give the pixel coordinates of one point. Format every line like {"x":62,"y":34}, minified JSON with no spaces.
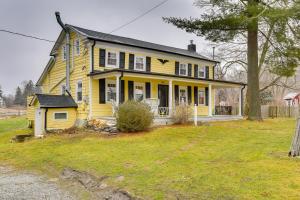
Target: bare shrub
{"x":181,"y":114}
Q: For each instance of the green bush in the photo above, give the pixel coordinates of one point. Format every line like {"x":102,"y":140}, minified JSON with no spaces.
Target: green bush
{"x":134,"y":116}
{"x":181,"y":114}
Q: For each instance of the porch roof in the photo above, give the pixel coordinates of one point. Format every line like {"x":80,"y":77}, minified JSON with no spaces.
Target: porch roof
{"x":55,"y":101}
{"x":168,"y":76}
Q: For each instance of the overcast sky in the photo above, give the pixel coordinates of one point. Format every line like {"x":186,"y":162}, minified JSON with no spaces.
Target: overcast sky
{"x":24,"y":59}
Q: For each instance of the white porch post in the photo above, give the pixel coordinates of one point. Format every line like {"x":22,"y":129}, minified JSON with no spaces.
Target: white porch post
{"x":240,"y":102}
{"x":170,"y":97}
{"x":209,"y":100}
{"x":117,"y":90}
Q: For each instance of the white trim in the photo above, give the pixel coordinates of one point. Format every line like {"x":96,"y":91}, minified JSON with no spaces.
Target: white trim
{"x":117,"y":58}
{"x":76,"y":90}
{"x":90,"y":97}
{"x":109,"y":81}
{"x":186,"y":69}
{"x":144,"y":89}
{"x":209,"y":100}
{"x":204,"y":70}
{"x":201,"y":90}
{"x":67,"y":116}
{"x":144,"y":63}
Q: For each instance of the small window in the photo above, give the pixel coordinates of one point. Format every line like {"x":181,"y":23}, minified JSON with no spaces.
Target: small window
{"x":63,"y":89}
{"x":64,"y":52}
{"x":183,"y":95}
{"x":201,"y":72}
{"x":77,"y":47}
{"x":110,"y":91}
{"x":201,"y":97}
{"x":79,"y":91}
{"x":139,"y":63}
{"x":183,"y":69}
{"x":112,"y":59}
{"x":139,"y":91}
{"x":61,"y":115}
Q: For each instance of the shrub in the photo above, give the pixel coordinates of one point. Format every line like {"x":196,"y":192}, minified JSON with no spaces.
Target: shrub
{"x":134,"y":116}
{"x":181,"y":114}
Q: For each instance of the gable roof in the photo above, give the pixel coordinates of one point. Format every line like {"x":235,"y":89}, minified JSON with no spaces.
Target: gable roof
{"x":56,"y":101}
{"x":104,"y":37}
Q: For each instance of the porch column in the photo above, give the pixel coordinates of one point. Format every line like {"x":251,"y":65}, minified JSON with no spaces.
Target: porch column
{"x":241,"y":102}
{"x":118,"y":89}
{"x":170,"y":97}
{"x":209,"y":100}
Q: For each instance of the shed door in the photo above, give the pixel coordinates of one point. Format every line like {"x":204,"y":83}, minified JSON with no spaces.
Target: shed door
{"x":38,"y":125}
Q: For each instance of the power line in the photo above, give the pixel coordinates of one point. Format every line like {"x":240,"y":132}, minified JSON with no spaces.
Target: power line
{"x":28,"y":36}
{"x":138,"y":17}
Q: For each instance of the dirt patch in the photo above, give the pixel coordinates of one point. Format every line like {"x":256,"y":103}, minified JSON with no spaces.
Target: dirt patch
{"x":95,"y":185}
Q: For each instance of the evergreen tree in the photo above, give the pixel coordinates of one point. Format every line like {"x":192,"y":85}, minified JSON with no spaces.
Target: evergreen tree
{"x":27,"y":91}
{"x":226,"y":20}
{"x":18,"y":97}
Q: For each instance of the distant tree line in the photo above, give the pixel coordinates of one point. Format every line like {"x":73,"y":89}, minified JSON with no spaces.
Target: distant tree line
{"x":20,"y":97}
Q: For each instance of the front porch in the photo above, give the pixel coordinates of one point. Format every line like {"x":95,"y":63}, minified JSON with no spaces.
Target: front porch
{"x":163,"y":93}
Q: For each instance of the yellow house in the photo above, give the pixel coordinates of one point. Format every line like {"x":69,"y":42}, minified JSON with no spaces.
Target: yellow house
{"x":100,"y":71}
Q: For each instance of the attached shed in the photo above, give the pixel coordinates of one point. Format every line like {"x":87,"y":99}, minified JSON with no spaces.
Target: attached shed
{"x":53,"y":112}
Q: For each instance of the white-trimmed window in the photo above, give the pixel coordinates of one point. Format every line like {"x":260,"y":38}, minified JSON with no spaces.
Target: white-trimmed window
{"x":112,"y":58}
{"x":62,"y":89}
{"x":79,"y":91}
{"x":110,"y":90}
{"x":201,"y":72}
{"x":201,"y":97}
{"x":64,"y":52}
{"x":182,"y":95}
{"x":77,"y":47}
{"x":139,"y":91}
{"x":140,"y":63}
{"x":60,"y":116}
{"x":183,"y":69}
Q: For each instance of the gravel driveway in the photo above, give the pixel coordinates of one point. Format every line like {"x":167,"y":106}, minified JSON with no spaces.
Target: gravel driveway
{"x":17,"y":185}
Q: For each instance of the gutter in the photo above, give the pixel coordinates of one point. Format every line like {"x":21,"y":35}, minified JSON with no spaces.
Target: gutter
{"x":92,"y":56}
{"x":45,"y":123}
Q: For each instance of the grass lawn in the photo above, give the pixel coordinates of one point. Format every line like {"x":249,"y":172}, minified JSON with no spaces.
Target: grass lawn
{"x":226,"y":160}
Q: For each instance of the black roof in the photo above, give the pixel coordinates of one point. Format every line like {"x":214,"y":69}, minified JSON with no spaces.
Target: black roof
{"x":56,"y":101}
{"x":99,"y":36}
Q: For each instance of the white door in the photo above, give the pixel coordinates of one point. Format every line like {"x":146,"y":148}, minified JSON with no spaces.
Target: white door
{"x":38,"y":125}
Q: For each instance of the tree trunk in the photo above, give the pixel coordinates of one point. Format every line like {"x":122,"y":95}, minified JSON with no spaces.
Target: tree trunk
{"x":253,"y":73}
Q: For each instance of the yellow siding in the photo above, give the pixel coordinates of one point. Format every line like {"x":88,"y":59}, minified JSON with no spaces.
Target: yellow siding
{"x":30,"y":109}
{"x":61,"y":124}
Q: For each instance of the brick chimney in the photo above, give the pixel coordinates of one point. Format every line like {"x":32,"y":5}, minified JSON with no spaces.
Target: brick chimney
{"x":192,"y":46}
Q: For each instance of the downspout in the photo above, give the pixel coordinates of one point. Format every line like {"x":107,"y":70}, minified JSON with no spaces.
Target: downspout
{"x":57,"y":14}
{"x":120,"y":81}
{"x":92,"y":58}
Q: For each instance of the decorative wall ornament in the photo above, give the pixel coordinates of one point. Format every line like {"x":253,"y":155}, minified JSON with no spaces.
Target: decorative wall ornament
{"x":162,"y":61}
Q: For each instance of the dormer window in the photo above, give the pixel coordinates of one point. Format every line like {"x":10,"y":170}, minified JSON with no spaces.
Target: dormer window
{"x":140,"y":63}
{"x":183,"y":70}
{"x":112,"y":59}
{"x":201,"y":72}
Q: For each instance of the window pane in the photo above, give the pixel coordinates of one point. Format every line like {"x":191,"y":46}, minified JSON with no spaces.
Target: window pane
{"x":139,"y":93}
{"x":182,"y":95}
{"x":111,"y":92}
{"x":201,"y":72}
{"x":182,"y":69}
{"x":60,"y":115}
{"x":112,"y":59}
{"x":139,"y":63}
{"x":201,"y":97}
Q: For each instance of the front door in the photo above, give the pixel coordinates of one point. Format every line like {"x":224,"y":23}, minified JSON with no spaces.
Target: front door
{"x":163,"y":96}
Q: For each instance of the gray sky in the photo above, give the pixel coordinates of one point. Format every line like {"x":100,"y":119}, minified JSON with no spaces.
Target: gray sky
{"x":24,"y":59}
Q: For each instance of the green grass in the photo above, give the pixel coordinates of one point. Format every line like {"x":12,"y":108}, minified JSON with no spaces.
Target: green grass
{"x":226,"y":160}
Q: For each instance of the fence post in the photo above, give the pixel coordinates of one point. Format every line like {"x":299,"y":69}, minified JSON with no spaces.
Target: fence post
{"x":195,"y":115}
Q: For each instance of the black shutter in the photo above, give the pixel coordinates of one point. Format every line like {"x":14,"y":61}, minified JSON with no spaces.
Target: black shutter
{"x":102,"y":54}
{"x":177,"y":68}
{"x":148,"y":64}
{"x":148,"y":90}
{"x":131,"y":61}
{"x":196,"y":71}
{"x":122,"y":91}
{"x":206,"y":96}
{"x":196,"y":95}
{"x":130,"y":90}
{"x":213,"y":72}
{"x":122,"y":60}
{"x":176,"y":91}
{"x":207,"y":72}
{"x":102,"y":91}
{"x":189,"y":91}
{"x":189,"y":69}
